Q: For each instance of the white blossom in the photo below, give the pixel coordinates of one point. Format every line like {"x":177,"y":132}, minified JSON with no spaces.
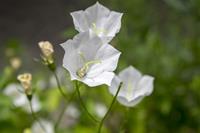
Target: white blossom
{"x":89,"y":60}
{"x":19,"y":99}
{"x":47,"y":125}
{"x":134,"y":88}
{"x":98,"y":20}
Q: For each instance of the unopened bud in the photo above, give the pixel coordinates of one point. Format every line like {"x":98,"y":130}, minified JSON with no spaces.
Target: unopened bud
{"x":47,"y":50}
{"x":25,"y":80}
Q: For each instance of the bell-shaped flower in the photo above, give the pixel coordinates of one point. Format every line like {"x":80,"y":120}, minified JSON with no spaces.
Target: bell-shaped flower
{"x":16,"y":93}
{"x":98,"y":20}
{"x":47,"y":127}
{"x":134,"y":88}
{"x":89,"y":60}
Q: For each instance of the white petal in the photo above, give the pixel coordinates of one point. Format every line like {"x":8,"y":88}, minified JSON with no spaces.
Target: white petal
{"x":80,"y":21}
{"x":81,"y":44}
{"x":132,"y":103}
{"x":145,"y":88}
{"x":130,"y":73}
{"x":108,"y":56}
{"x":113,"y":24}
{"x":145,"y":85}
{"x":71,"y":60}
{"x":104,"y":78}
{"x":97,"y":14}
{"x":114,"y":85}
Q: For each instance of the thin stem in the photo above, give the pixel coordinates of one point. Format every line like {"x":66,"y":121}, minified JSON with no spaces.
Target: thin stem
{"x":63,"y":111}
{"x":35,"y":116}
{"x":59,"y":86}
{"x":68,"y":100}
{"x":83,"y":105}
{"x":110,"y":108}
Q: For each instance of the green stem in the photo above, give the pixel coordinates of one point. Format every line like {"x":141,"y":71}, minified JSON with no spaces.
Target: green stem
{"x":59,"y":86}
{"x":83,"y":105}
{"x":35,"y":116}
{"x":68,"y":100}
{"x":110,"y":108}
{"x":63,"y":111}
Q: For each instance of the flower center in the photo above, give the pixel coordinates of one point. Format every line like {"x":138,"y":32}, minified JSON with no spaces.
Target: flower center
{"x":97,"y":30}
{"x":83,"y":70}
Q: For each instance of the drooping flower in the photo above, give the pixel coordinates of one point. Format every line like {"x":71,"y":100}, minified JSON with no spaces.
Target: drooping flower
{"x":48,"y":127}
{"x":19,"y":99}
{"x":134,"y":88}
{"x":89,"y":60}
{"x":25,"y":80}
{"x":98,"y":20}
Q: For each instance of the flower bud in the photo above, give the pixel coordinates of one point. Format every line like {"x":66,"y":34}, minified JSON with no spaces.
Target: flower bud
{"x":47,"y":51}
{"x":25,"y":80}
{"x":46,"y":48}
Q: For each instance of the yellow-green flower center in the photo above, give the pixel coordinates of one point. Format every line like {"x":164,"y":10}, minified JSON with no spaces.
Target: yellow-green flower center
{"x":97,"y":30}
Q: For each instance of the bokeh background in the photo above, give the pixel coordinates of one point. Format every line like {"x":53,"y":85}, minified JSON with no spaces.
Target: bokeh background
{"x":158,"y":37}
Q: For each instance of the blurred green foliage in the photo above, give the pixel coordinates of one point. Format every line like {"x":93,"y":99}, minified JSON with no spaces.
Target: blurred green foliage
{"x":160,"y":38}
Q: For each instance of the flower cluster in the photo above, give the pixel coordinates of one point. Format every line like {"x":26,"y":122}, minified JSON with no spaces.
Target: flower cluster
{"x":90,"y":58}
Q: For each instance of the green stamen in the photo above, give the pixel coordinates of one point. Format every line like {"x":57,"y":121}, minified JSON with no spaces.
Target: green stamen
{"x":83,"y":70}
